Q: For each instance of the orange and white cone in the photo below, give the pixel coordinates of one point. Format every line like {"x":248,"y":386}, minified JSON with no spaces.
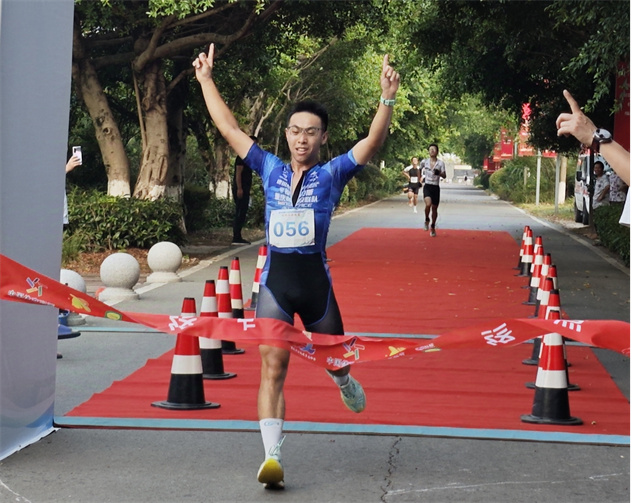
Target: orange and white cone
{"x":527,"y":256}
{"x":255,"y":288}
{"x":224,"y":308}
{"x":522,"y":242}
{"x":211,"y":349}
{"x":551,"y":399}
{"x":186,"y":387}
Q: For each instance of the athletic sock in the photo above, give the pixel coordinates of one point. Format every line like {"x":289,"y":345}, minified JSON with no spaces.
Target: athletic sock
{"x":340,"y":380}
{"x":271,"y":430}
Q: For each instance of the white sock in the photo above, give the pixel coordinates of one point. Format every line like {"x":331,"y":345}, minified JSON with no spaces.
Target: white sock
{"x":271,"y":430}
{"x":340,"y":380}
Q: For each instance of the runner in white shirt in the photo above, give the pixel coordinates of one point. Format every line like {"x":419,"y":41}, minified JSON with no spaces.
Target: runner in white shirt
{"x":432,"y":170}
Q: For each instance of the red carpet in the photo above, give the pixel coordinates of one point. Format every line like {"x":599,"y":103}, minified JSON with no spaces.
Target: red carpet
{"x":401,"y":281}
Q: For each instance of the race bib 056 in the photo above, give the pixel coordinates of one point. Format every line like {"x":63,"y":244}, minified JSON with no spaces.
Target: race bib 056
{"x":292,"y":228}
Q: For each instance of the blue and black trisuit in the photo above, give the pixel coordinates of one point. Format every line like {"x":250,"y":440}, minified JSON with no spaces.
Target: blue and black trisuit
{"x":295,"y":277}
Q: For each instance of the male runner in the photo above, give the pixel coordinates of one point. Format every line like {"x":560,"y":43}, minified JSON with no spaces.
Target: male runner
{"x":432,"y":170}
{"x":300,"y":198}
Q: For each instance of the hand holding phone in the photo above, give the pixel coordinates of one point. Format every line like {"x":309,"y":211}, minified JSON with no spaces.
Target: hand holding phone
{"x":77,"y":152}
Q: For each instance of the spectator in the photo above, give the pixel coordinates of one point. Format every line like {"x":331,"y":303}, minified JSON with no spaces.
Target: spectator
{"x":577,"y":124}
{"x":241,"y":188}
{"x":618,"y":190}
{"x":601,"y":187}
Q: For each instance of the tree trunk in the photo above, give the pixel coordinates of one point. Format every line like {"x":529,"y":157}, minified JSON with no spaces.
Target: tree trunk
{"x":108,"y":136}
{"x":157,"y":177}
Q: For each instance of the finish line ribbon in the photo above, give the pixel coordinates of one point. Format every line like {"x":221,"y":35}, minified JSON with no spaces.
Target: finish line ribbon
{"x":21,"y":284}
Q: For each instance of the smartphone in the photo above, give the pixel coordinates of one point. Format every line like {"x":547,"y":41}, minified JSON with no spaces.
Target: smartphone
{"x":77,"y":151}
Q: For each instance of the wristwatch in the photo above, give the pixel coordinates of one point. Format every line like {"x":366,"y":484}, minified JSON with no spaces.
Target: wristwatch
{"x":600,"y":136}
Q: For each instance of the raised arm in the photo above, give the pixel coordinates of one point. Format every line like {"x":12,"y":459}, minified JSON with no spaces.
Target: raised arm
{"x":222,"y":117}
{"x":366,"y":148}
{"x":582,"y":128}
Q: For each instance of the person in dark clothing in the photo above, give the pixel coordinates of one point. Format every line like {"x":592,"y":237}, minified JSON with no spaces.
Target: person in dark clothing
{"x":241,"y":188}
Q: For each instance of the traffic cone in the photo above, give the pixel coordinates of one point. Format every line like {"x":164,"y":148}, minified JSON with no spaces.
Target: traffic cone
{"x":535,"y":353}
{"x":255,"y":289}
{"x":553,"y":313}
{"x":211,"y":349}
{"x":522,"y":242}
{"x":544,"y":297}
{"x":186,"y":387}
{"x":527,"y":256}
{"x":534,"y":283}
{"x":224,"y":308}
{"x":553,"y":274}
{"x":551,"y":398}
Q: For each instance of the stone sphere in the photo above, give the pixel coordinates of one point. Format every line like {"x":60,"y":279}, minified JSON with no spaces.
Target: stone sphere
{"x":164,"y":259}
{"x":120,"y":270}
{"x":164,"y":256}
{"x":73,"y":280}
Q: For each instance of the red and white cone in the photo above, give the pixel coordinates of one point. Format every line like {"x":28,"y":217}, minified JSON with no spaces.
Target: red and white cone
{"x":545,"y":293}
{"x":551,"y":399}
{"x":186,"y":387}
{"x":542,"y":299}
{"x":527,"y":256}
{"x":211,"y":349}
{"x":546,"y":263}
{"x":535,"y":352}
{"x":224,"y":308}
{"x":522,"y":242}
{"x":534,"y":284}
{"x":553,"y":274}
{"x":255,"y":288}
{"x":554,"y":312}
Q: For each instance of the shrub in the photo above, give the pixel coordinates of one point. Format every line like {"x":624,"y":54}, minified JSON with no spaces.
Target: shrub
{"x":196,"y":200}
{"x":115,"y":223}
{"x":614,"y":236}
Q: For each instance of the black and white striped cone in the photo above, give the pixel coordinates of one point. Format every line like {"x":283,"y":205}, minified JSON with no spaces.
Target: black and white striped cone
{"x":255,"y":288}
{"x":186,"y":387}
{"x":211,"y":349}
{"x":224,"y":308}
{"x":551,"y":398}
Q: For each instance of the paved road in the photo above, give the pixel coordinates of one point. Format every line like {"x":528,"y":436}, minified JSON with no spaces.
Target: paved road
{"x":101,"y":465}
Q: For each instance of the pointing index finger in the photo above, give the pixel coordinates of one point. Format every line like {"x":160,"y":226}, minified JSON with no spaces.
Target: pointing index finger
{"x":572,"y":102}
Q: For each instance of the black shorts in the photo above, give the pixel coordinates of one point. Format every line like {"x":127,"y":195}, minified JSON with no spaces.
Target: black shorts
{"x":414,"y":187}
{"x":433,"y":192}
{"x":299,"y":284}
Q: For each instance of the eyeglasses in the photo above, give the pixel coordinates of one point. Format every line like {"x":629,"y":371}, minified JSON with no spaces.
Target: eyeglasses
{"x":309,"y":131}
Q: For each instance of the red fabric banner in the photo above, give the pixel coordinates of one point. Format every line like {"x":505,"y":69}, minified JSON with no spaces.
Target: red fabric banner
{"x":21,"y":284}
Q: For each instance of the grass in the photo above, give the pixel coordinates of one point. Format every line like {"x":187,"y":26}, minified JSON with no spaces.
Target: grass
{"x":548,"y":211}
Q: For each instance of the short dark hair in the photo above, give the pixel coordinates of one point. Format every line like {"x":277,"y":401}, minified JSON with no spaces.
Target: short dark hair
{"x":434,"y":145}
{"x":313,"y":107}
{"x":600,"y":163}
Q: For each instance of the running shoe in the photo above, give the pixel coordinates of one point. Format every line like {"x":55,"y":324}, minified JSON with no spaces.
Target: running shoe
{"x":415,"y":210}
{"x":353,"y":395}
{"x":426,"y":225}
{"x":433,"y":232}
{"x":271,"y":473}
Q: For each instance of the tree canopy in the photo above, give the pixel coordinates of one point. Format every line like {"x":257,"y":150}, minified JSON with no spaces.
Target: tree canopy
{"x":467,"y":67}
